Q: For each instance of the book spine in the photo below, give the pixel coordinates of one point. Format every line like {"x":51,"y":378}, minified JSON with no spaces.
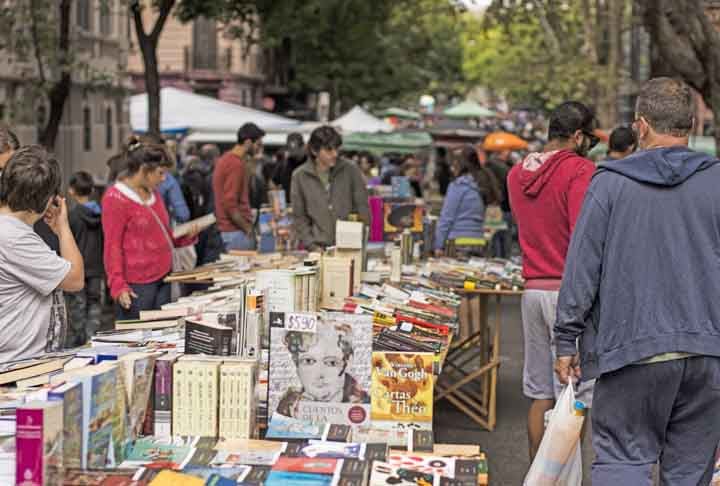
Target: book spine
{"x":29,"y":442}
{"x":72,"y":400}
{"x":163,"y":398}
{"x":179,"y":393}
{"x":212,"y":384}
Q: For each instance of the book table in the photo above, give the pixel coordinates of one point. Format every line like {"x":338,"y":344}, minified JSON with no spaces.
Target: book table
{"x":470,"y":371}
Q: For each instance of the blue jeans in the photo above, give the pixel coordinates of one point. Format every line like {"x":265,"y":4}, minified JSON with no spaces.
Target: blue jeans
{"x":149,"y":297}
{"x":238,"y":240}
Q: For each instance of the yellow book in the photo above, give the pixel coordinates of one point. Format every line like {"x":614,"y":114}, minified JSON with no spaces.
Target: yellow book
{"x":401,"y":390}
{"x":172,"y":478}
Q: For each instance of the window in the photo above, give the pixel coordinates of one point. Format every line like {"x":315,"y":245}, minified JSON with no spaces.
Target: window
{"x":87,"y":130}
{"x":205,"y":49}
{"x":41,"y":120}
{"x":108,"y":128}
{"x":83,"y":14}
{"x":106,"y":17}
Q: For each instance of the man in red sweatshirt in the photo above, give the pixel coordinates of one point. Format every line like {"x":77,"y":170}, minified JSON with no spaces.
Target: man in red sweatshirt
{"x":231,"y":188}
{"x":546,"y":193}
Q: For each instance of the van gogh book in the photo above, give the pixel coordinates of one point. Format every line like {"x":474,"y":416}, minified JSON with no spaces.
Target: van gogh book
{"x":402,"y":389}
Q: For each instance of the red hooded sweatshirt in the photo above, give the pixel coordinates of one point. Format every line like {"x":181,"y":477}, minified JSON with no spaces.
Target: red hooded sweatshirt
{"x":546,"y":193}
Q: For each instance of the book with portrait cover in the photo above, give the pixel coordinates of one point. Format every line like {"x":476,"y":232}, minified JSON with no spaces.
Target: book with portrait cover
{"x":320,"y":367}
{"x":402,"y":389}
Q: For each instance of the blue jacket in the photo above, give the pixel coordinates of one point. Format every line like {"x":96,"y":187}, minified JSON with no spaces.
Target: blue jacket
{"x":174,"y":200}
{"x":642,"y":275}
{"x":463,"y":212}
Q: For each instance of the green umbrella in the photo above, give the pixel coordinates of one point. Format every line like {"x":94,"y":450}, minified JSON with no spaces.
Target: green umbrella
{"x":400,"y":113}
{"x":468,"y":109}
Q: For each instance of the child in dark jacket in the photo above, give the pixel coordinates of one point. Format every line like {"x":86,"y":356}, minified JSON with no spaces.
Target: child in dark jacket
{"x":85,"y":307}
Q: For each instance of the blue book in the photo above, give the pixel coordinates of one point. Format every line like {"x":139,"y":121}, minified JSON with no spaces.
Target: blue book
{"x":71,"y":396}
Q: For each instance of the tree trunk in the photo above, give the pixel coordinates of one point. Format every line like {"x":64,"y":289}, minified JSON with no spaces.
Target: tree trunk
{"x":148,"y":46}
{"x":152,"y":85}
{"x":613,"y":62}
{"x":61,"y":88}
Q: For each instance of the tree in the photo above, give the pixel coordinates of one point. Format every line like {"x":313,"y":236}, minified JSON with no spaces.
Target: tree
{"x":148,"y":42}
{"x":360,"y":51}
{"x":686,"y":45}
{"x":37,"y":39}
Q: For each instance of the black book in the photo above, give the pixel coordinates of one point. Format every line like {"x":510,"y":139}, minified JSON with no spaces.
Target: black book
{"x":207,"y":338}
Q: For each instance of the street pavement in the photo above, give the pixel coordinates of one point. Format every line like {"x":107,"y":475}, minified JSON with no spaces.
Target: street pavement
{"x":506,"y":447}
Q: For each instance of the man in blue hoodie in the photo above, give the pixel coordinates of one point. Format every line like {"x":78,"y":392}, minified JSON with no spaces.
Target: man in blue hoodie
{"x":640,"y":290}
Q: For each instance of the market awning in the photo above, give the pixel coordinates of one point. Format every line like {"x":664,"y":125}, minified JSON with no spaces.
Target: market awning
{"x":400,"y":113}
{"x":359,"y":120}
{"x":185,"y":111}
{"x":468,"y":109}
{"x":381,"y":143}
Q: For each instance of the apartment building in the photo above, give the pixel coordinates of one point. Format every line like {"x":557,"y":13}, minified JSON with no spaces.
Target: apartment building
{"x":95,"y":120}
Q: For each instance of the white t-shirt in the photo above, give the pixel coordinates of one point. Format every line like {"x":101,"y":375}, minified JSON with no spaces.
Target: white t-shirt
{"x":29,"y":272}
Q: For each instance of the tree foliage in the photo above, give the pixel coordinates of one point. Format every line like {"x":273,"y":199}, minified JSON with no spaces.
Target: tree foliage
{"x":358,"y":50}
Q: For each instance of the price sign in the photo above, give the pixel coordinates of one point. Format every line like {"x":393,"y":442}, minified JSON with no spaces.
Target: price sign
{"x":301,"y":322}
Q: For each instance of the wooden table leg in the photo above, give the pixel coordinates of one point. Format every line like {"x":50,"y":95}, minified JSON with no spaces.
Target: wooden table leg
{"x":492,"y":406}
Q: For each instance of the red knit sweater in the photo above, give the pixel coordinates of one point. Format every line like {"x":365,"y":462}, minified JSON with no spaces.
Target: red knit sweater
{"x":546,"y":194}
{"x":137,"y":249}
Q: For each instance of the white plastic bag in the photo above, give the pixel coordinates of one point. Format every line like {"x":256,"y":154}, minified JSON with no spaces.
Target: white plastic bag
{"x":559,"y":460}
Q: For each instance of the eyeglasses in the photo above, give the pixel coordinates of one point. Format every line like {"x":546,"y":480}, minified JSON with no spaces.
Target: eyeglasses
{"x":594,"y":140}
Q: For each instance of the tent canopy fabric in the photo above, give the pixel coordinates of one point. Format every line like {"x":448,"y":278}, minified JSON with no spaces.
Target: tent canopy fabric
{"x":359,"y":120}
{"x":381,"y":143}
{"x":185,"y":111}
{"x":499,"y":141}
{"x":400,"y":113}
{"x":468,"y":109}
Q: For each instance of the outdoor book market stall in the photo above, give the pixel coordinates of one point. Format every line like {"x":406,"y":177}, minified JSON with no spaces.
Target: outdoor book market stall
{"x":287,"y":369}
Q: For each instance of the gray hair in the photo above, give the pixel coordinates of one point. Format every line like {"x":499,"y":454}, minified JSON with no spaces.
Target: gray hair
{"x":667,"y":105}
{"x":8,"y":140}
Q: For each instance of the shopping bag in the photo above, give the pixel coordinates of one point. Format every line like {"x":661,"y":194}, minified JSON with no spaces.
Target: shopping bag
{"x":558,"y":461}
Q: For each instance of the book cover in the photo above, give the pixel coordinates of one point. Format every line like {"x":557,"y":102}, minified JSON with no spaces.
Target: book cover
{"x":306,"y":465}
{"x":71,"y":397}
{"x":138,"y":371}
{"x":284,"y":478}
{"x":195,"y":397}
{"x":172,"y":478}
{"x":39,"y":444}
{"x":320,"y":368}
{"x":337,"y":281}
{"x":207,"y":338}
{"x":237,"y":393}
{"x":282,"y":427}
{"x":436,"y":465}
{"x":402,"y":388}
{"x":398,"y":215}
{"x":162,"y":396}
{"x":171,"y":453}
{"x":101,"y":388}
{"x":383,"y":473}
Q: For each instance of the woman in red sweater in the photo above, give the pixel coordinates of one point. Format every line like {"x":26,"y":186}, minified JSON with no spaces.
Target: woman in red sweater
{"x":136,"y":225}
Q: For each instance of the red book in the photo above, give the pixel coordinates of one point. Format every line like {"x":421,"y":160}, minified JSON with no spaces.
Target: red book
{"x":39,"y":440}
{"x":306,"y":465}
{"x":441,"y":329}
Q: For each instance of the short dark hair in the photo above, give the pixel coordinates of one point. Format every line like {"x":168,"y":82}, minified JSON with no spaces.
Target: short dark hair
{"x":621,"y":139}
{"x":8,"y":140}
{"x":144,"y":154}
{"x":294,"y":140}
{"x":249,"y":131}
{"x":568,"y":118}
{"x":30,"y":179}
{"x":82,"y":183}
{"x":325,"y":137}
{"x":667,"y":105}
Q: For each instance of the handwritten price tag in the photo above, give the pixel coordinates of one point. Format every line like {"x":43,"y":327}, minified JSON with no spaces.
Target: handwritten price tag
{"x":301,"y":322}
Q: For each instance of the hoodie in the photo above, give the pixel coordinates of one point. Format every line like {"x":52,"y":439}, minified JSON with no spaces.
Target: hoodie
{"x":546,"y":193}
{"x":86,"y":228}
{"x":641,"y":276}
{"x":463,"y":212}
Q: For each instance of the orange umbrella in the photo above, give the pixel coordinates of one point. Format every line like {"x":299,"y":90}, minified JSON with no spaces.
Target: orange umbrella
{"x":499,"y":141}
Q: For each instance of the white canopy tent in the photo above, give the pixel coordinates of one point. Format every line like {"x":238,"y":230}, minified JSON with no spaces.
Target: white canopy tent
{"x":182,"y":111}
{"x":359,"y":120}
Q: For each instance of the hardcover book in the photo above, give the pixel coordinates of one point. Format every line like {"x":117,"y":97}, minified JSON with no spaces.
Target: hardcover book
{"x":402,"y":389}
{"x":39,"y":443}
{"x":320,"y":368}
{"x":71,"y":397}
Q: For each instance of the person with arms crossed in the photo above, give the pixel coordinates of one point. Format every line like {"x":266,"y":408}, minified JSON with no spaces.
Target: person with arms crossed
{"x":640,"y":291}
{"x":30,"y":271}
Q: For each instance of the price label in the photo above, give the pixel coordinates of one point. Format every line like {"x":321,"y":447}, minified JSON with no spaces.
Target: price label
{"x":301,"y":322}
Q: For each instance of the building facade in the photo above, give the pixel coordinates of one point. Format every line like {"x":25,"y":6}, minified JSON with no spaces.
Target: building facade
{"x":201,"y":57}
{"x":95,"y":121}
